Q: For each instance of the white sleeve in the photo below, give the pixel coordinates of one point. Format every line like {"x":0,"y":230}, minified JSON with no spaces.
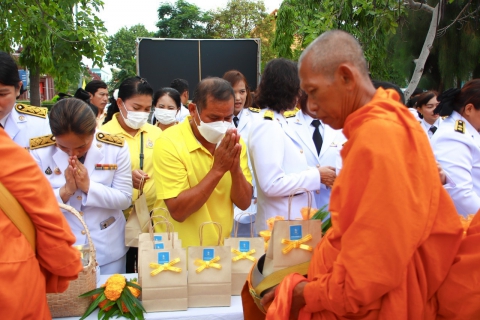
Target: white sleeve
{"x":119,"y":194}
{"x":267,"y":150}
{"x":455,"y":157}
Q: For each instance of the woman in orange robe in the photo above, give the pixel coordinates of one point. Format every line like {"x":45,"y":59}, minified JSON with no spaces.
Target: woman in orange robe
{"x":25,"y":277}
{"x":395,"y":231}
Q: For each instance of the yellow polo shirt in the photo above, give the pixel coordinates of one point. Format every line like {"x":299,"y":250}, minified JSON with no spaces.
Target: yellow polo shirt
{"x":180,"y":163}
{"x":150,"y":135}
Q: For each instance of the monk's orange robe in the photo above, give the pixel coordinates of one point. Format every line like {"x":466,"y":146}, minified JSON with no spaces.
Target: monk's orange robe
{"x":395,"y":230}
{"x":24,"y":277}
{"x":459,"y":295}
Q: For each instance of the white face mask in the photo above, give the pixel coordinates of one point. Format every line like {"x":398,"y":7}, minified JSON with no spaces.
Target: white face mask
{"x":135,"y":119}
{"x":165,"y":116}
{"x":213,"y":132}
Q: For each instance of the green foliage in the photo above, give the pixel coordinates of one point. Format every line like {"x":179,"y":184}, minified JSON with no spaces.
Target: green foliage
{"x":121,"y":53}
{"x":54,"y":35}
{"x":238,"y":19}
{"x":183,"y":20}
{"x":265,"y":30}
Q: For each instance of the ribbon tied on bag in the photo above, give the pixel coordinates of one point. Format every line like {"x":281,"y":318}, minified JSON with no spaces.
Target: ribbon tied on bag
{"x":207,"y":264}
{"x":297,"y":244}
{"x":164,"y":267}
{"x":243,"y":255}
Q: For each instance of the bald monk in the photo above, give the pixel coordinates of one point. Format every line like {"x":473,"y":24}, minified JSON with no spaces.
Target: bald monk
{"x":25,"y":277}
{"x":459,"y":295}
{"x":394,"y":230}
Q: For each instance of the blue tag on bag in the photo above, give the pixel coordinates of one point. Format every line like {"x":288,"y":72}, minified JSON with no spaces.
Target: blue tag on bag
{"x":295,"y":232}
{"x":157,"y":238}
{"x":163,"y":257}
{"x":159,"y":245}
{"x":244,"y":246}
{"x":208,"y":254}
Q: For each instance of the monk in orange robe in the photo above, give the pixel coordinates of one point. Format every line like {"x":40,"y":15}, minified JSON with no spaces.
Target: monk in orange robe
{"x":459,"y":295}
{"x":395,"y":231}
{"x":25,"y":278}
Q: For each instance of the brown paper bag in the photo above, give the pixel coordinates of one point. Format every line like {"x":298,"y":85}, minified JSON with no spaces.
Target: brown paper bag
{"x":138,"y":220}
{"x":157,"y":241}
{"x":209,"y":274}
{"x":164,"y":281}
{"x":244,"y":253}
{"x":292,"y":241}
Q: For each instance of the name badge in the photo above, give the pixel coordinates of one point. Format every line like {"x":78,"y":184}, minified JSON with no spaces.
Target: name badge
{"x":244,"y":246}
{"x":295,"y":232}
{"x":163,"y":257}
{"x":157,"y":238}
{"x":159,"y":245}
{"x":106,"y":223}
{"x":208,"y":254}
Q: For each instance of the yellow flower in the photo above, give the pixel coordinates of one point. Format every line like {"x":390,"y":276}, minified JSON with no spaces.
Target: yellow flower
{"x":114,"y":287}
{"x":134,"y":291}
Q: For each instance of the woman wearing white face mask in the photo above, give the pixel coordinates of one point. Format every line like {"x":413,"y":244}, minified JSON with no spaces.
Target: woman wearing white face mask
{"x":127,"y":116}
{"x":167,"y":104}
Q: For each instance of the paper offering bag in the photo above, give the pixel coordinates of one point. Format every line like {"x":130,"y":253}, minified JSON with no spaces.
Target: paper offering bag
{"x":209,"y":273}
{"x":292,"y":241}
{"x":164,"y":280}
{"x":163,"y":240}
{"x":243,"y":253}
{"x":138,"y":220}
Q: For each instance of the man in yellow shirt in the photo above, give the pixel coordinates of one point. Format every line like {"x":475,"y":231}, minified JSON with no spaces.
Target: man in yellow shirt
{"x":201,"y":166}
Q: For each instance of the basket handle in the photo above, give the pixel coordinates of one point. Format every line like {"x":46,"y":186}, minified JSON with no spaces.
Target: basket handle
{"x":293,"y":193}
{"x":219,"y":227}
{"x":72,"y":210}
{"x":235,"y":232}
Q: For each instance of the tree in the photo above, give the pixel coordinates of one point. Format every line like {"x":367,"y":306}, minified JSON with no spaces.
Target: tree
{"x":238,"y":19}
{"x":122,"y":51}
{"x":182,"y":20}
{"x":54,"y":37}
{"x":265,"y":30}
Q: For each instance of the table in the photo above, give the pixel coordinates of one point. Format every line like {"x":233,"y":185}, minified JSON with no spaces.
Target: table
{"x":234,"y":312}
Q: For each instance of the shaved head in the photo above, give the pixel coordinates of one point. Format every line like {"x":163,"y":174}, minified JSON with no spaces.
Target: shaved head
{"x":331,"y":49}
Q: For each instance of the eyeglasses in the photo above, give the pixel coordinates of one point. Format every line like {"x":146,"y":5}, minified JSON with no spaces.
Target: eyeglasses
{"x":432,"y":105}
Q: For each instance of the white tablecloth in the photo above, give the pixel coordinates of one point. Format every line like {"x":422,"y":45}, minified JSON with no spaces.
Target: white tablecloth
{"x":234,"y":312}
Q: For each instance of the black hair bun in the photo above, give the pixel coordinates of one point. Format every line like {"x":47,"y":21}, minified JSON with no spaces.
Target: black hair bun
{"x":82,"y":95}
{"x":447,"y":102}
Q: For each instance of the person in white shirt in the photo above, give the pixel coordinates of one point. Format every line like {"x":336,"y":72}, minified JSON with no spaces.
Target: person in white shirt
{"x":20,"y":121}
{"x":456,"y":145}
{"x":425,"y":105}
{"x":181,"y":85}
{"x":322,"y":145}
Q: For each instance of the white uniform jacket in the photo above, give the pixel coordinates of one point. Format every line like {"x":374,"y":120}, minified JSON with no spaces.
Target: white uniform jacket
{"x":458,"y":152}
{"x":182,"y":113}
{"x":329,"y":154}
{"x":280,"y":166}
{"x":26,"y":122}
{"x":426,"y":126}
{"x":110,"y":192}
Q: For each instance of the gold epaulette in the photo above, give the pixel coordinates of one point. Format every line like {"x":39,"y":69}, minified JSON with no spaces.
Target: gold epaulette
{"x":460,"y":126}
{"x":256,"y":110}
{"x":41,"y":142}
{"x":118,"y":141}
{"x":444,"y":117}
{"x":31,"y":110}
{"x":268,"y":115}
{"x":291,"y":113}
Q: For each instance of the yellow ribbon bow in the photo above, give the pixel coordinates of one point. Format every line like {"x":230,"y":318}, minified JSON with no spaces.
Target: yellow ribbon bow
{"x":207,"y":264}
{"x":295,"y":244}
{"x":243,"y":255}
{"x":166,"y":266}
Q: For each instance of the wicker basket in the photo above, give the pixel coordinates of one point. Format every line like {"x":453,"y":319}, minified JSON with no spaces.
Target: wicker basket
{"x":68,"y":304}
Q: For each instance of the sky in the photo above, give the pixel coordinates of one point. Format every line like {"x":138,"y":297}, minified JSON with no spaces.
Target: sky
{"x":126,"y":13}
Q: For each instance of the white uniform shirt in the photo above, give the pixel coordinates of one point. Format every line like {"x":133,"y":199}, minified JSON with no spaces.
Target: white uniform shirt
{"x":329,"y":153}
{"x":280,"y":166}
{"x":110,"y":192}
{"x":426,"y":126}
{"x":182,"y":114}
{"x":21,"y":127}
{"x":459,"y":155}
